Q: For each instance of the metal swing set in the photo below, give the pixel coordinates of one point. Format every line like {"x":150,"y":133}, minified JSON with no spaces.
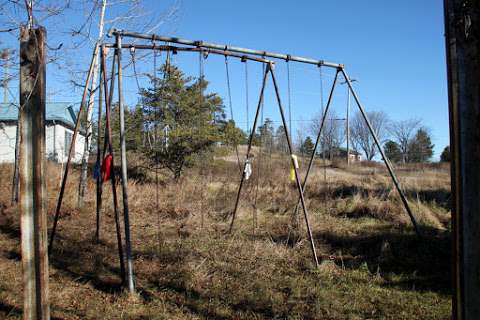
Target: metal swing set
{"x":204,"y":49}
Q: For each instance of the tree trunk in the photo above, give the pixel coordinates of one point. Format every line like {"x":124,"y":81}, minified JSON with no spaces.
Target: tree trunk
{"x":16,"y":168}
{"x":86,"y":152}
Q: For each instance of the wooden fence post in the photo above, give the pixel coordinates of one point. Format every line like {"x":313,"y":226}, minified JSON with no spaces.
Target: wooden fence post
{"x":33,"y":221}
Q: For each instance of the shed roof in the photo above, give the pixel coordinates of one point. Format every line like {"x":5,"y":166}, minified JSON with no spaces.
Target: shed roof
{"x":60,"y":112}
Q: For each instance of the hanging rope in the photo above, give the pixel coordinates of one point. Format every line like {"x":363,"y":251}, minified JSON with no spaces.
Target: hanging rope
{"x":290,"y":98}
{"x":228,"y":88}
{"x":202,"y":57}
{"x":157,"y":196}
{"x":322,"y":108}
{"x":292,"y":170}
{"x":132,"y":53}
{"x":259,"y":165}
{"x":249,"y":169}
{"x":201,"y":77}
{"x":166,"y":78}
{"x":134,"y":65}
{"x":229,"y":91}
{"x":246,"y":95}
{"x":201,"y":65}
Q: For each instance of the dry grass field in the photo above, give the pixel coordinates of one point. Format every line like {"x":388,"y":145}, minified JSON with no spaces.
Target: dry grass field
{"x":372,"y":264}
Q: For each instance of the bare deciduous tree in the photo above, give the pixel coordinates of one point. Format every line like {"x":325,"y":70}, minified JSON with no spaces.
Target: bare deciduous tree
{"x":125,"y":14}
{"x":79,"y":36}
{"x":403,"y":132}
{"x":362,"y":139}
{"x":333,"y":133}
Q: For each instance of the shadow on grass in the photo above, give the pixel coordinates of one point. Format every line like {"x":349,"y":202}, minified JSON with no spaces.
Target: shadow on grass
{"x":421,"y":264}
{"x":172,"y":273}
{"x":72,"y":257}
{"x":7,"y":311}
{"x":85,"y":261}
{"x":439,"y":196}
{"x":424,"y":263}
{"x":206,"y":305}
{"x":9,"y":227}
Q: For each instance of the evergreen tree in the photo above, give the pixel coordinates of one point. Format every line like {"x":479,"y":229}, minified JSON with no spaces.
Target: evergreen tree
{"x":177,"y":103}
{"x":265,"y":135}
{"x":445,"y":156}
{"x":230,"y":134}
{"x":392,"y":151}
{"x":306,"y":148}
{"x":421,"y":147}
{"x":135,"y":138}
{"x":281,"y":144}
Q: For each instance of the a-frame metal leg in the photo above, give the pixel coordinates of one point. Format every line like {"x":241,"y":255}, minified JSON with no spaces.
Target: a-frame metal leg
{"x":112,"y":172}
{"x":384,"y":157}
{"x":123,"y":158}
{"x":99,"y":182}
{"x":105,"y":144}
{"x":71,"y":150}
{"x":297,"y":176}
{"x":250,"y":140}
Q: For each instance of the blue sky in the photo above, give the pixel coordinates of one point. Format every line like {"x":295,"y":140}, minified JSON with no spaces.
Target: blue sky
{"x":395,"y":49}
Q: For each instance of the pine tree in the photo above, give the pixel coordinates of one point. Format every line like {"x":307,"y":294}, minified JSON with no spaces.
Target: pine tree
{"x":265,"y":135}
{"x":281,"y":144}
{"x":445,"y":156}
{"x":230,"y":134}
{"x":421,"y":147}
{"x":392,"y":151}
{"x":180,"y":119}
{"x":307,"y":146}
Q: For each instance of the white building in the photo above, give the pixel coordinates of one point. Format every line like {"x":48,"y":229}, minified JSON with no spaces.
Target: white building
{"x":60,"y":123}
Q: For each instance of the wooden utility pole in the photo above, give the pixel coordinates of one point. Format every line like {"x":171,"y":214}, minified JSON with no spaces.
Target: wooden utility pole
{"x":462,"y":26}
{"x":33,"y":218}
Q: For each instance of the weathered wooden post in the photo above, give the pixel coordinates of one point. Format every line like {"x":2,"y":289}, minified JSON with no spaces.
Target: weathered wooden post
{"x":33,"y":221}
{"x":462,"y":24}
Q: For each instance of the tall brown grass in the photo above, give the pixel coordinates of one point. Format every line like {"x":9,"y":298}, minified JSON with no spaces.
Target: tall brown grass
{"x":188,"y":267}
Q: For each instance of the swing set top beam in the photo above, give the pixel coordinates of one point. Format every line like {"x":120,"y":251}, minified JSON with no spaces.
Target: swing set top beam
{"x":222,"y":47}
{"x":174,"y":49}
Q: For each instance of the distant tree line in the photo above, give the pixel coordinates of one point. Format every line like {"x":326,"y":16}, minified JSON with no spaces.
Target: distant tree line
{"x":403,"y":141}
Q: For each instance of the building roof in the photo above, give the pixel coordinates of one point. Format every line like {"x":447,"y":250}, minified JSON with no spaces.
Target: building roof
{"x":343,"y":151}
{"x":58,"y":112}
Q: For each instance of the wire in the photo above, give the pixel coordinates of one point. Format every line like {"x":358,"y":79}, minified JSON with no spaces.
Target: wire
{"x":201,"y":65}
{"x":229,"y":92}
{"x":263,"y":100}
{"x":132,"y":53}
{"x":289,"y":99}
{"x":246,"y":95}
{"x":157,"y":196}
{"x":231,"y":108}
{"x":323,"y":144}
